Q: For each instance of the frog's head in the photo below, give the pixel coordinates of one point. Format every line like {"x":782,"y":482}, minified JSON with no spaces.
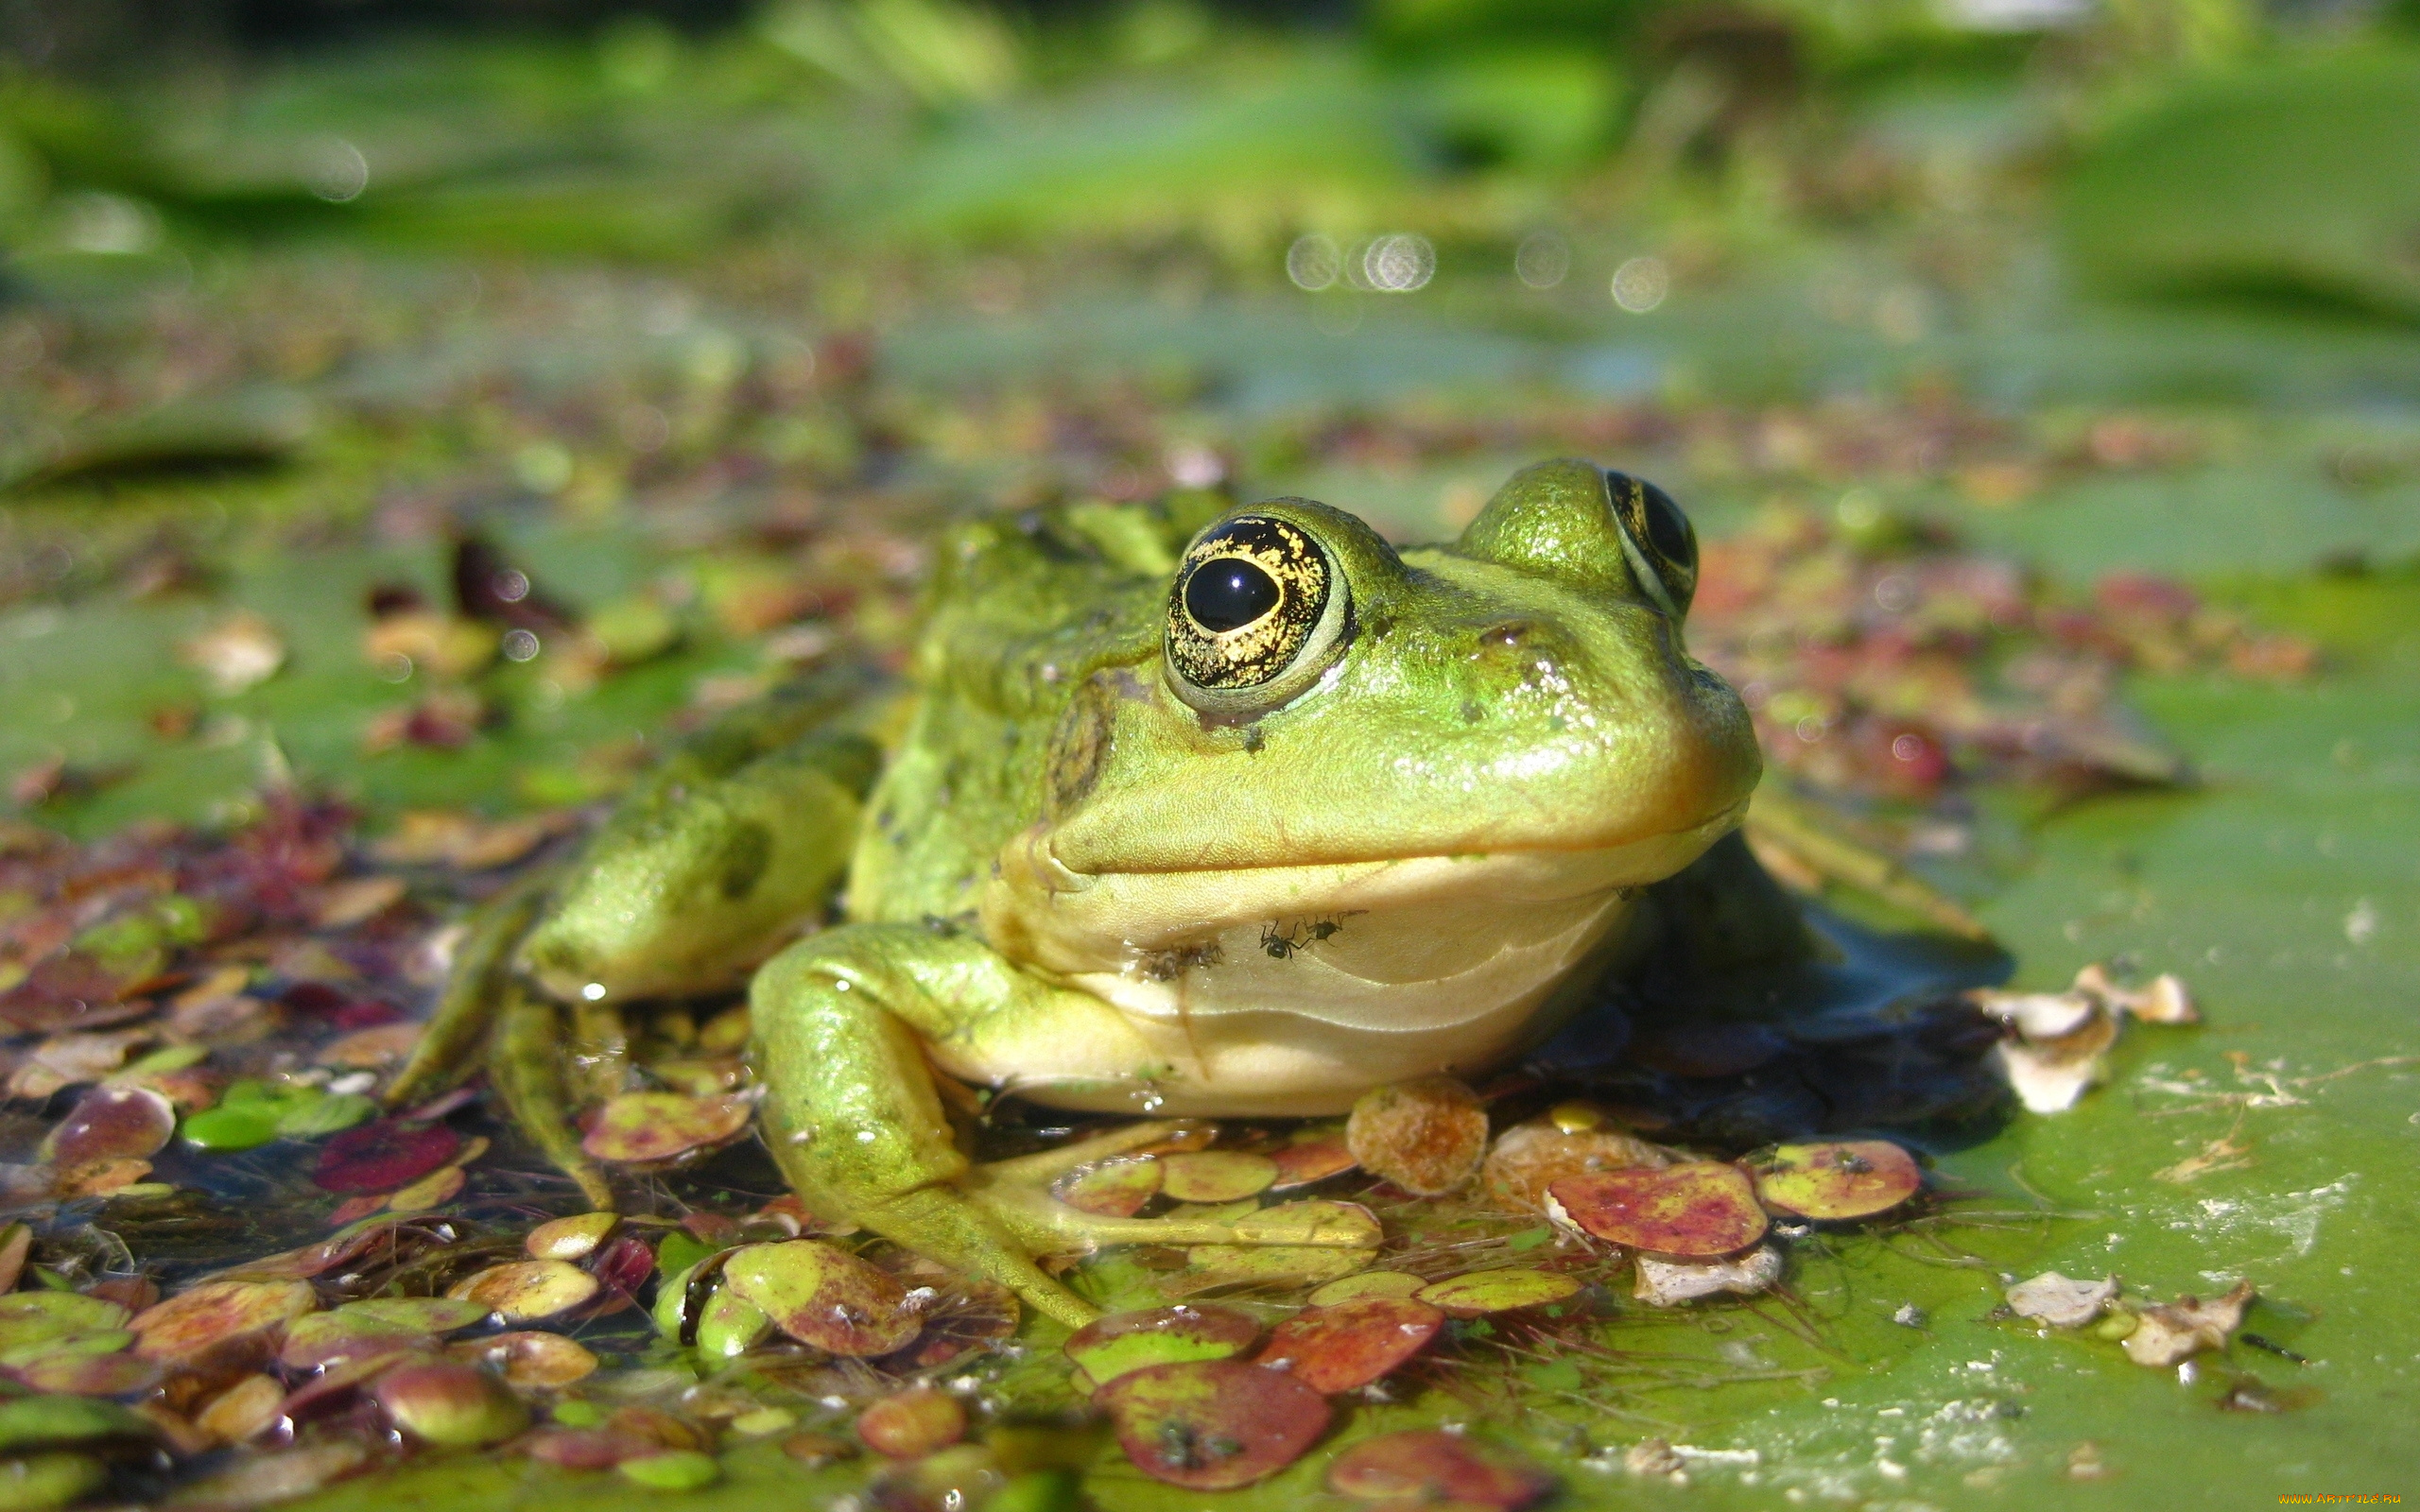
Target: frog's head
{"x":1318,"y":699}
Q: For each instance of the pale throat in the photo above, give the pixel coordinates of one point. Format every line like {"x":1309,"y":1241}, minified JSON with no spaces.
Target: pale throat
{"x":1290,"y":990}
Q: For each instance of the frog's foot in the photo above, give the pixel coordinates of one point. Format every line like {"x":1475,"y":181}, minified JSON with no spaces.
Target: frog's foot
{"x":1017,"y":1194}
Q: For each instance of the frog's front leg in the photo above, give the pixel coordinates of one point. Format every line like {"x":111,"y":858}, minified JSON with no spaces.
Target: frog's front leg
{"x":854,"y":1117}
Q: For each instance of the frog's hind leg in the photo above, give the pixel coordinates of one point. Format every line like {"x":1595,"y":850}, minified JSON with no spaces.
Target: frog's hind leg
{"x":853,"y":1119}
{"x":729,"y":847}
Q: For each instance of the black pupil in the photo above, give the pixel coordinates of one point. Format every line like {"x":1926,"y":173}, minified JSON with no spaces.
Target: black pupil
{"x":1666,"y":527}
{"x":1229,"y":594}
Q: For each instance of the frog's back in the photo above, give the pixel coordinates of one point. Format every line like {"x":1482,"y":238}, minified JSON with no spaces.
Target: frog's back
{"x":1024,"y":610}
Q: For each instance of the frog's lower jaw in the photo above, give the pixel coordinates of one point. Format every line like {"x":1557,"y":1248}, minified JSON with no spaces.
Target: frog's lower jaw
{"x":1289,"y":993}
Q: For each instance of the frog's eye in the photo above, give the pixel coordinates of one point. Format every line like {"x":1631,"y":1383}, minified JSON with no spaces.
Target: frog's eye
{"x":1662,"y":544}
{"x":1256,"y":608}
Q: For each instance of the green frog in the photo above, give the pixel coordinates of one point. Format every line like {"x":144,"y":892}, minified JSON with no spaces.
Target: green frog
{"x":1195,"y":811}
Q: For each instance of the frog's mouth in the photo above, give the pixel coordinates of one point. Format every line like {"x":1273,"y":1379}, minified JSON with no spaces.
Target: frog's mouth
{"x":1290,"y":989}
{"x":1152,"y":923}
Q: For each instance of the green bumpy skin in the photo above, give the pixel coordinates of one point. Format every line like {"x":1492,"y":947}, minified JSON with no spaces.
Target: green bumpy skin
{"x":1400,"y":844}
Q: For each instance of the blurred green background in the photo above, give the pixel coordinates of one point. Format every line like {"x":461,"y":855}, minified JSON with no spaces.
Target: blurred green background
{"x":687,"y":305}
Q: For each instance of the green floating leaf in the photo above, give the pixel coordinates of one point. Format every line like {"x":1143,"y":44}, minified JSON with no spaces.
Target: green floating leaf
{"x":30,"y":1422}
{"x":1112,"y":1346}
{"x":1216,"y":1176}
{"x":39,"y":1317}
{"x":1839,"y":1179}
{"x":676,"y":1470}
{"x":37,"y":1483}
{"x":309,"y":1118}
{"x":232,"y":1126}
{"x":451,"y":1405}
{"x":824,"y":1297}
{"x":1478,"y":1292}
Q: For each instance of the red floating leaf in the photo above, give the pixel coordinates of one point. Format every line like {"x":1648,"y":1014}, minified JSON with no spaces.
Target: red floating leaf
{"x":1700,"y":1209}
{"x":623,"y":1266}
{"x":1112,"y":1189}
{"x":112,"y":1123}
{"x":1428,"y":1466}
{"x":913,"y":1423}
{"x":69,"y":990}
{"x":1351,"y":1344}
{"x":1212,"y":1424}
{"x":383,"y":1156}
{"x":1299,"y":1165}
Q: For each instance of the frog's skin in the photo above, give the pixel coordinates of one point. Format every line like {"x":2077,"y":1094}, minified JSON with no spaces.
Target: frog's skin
{"x":1119,"y":860}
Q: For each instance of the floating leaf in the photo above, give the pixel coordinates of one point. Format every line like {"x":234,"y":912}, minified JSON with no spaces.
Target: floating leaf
{"x":237,"y":653}
{"x":2052,"y":1298}
{"x":1209,"y":1425}
{"x":434,"y":1190}
{"x":449,"y":1405}
{"x":1210,"y":1266}
{"x":2172,"y":1333}
{"x":584,"y":1449}
{"x":322,"y":1338}
{"x":678,"y":1470}
{"x":1430,"y":1467}
{"x":1305,"y":1162}
{"x":729,"y":1325}
{"x":1529,"y":1157}
{"x":1350,"y":1344}
{"x":1111,"y":1346}
{"x":427,"y":1314}
{"x":824,"y":1297}
{"x":571,"y":1238}
{"x":1839,"y":1178}
{"x":192,"y":1323}
{"x":1110,"y":1189}
{"x":1311,"y":1221}
{"x":230,"y":1129}
{"x":1367,"y":1283}
{"x":913,"y":1423}
{"x":33,"y":1422}
{"x":639,"y":1127}
{"x":1216,"y":1176}
{"x":258,"y":1479}
{"x":1670,"y":1282}
{"x":34,"y":1483}
{"x":243,"y":1409}
{"x":311,"y":1117}
{"x":522,"y":1291}
{"x":42,"y":1317}
{"x":76,"y":1373}
{"x":109,"y":1124}
{"x":530,"y":1360}
{"x":1427,"y":1137}
{"x":383,"y":1156}
{"x":1703,"y":1208}
{"x":1506,"y":1290}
